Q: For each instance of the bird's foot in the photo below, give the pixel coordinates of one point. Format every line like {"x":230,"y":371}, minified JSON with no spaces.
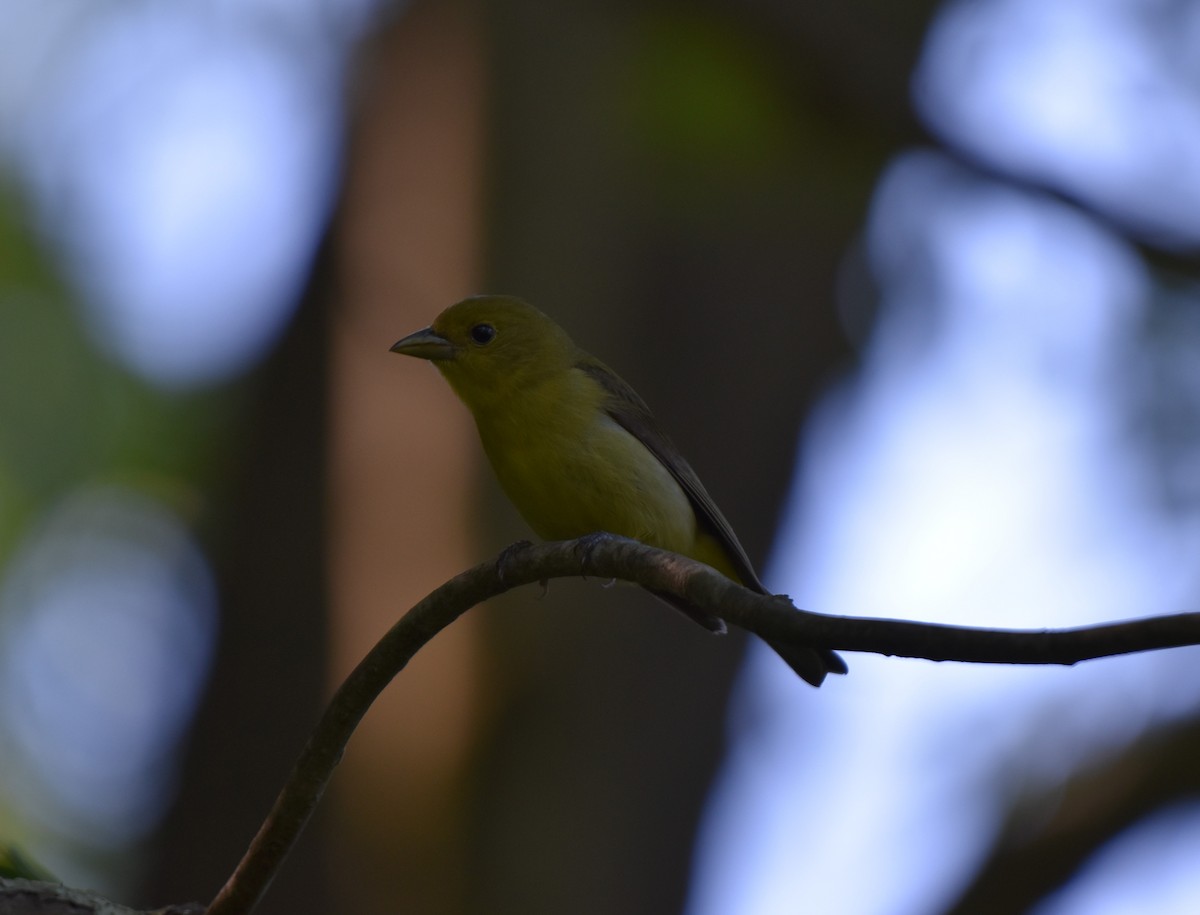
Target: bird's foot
{"x":586,"y":545}
{"x":505,"y":560}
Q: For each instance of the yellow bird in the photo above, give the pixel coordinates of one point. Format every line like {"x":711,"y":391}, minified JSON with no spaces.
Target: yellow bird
{"x":578,"y":451}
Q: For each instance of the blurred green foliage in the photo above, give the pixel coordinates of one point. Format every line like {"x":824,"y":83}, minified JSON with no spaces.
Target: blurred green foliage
{"x":71,"y":416}
{"x":68,"y":413}
{"x":16,"y":864}
{"x":716,"y":109}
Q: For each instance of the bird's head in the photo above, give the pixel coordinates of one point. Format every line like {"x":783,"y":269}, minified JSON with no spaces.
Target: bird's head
{"x":489,"y":346}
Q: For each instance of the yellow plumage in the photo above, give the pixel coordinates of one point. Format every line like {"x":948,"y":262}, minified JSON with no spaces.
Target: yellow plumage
{"x":575,"y":448}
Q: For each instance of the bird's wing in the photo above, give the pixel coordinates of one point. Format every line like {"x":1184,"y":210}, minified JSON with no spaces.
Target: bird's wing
{"x":630,"y":412}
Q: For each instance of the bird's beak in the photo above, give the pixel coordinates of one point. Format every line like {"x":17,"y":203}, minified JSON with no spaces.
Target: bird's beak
{"x":425,"y":344}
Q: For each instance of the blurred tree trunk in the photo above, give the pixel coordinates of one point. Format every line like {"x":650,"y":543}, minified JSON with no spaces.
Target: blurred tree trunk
{"x":405,"y":456}
{"x":268,"y":682}
{"x":706,"y":277}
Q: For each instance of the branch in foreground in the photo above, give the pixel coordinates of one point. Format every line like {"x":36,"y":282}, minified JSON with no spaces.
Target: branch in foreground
{"x":701,"y":586}
{"x":35,"y":897}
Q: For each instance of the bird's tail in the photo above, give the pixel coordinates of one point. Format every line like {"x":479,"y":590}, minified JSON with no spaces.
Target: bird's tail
{"x":812,"y":665}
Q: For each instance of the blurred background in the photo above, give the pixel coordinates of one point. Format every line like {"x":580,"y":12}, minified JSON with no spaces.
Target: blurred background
{"x":913,"y":285}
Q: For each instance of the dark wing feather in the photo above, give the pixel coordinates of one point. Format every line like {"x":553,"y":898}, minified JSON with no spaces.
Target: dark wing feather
{"x":630,"y":412}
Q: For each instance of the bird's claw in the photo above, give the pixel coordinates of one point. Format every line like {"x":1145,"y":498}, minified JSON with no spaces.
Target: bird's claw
{"x":586,"y":545}
{"x":505,"y":560}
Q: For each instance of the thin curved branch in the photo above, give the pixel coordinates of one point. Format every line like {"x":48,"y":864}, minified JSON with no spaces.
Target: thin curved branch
{"x":616,"y":557}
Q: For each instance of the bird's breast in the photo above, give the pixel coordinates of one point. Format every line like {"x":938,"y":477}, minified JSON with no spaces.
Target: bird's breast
{"x":581,"y":474}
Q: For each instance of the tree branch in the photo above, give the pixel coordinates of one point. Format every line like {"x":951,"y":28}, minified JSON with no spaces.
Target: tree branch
{"x":616,"y":557}
{"x":1072,"y":820}
{"x":35,"y":897}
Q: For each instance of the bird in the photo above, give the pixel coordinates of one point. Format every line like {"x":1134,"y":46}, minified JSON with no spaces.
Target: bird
{"x":578,"y":452}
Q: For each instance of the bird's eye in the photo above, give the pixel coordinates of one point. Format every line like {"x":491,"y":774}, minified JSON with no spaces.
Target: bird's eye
{"x":483,"y":334}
